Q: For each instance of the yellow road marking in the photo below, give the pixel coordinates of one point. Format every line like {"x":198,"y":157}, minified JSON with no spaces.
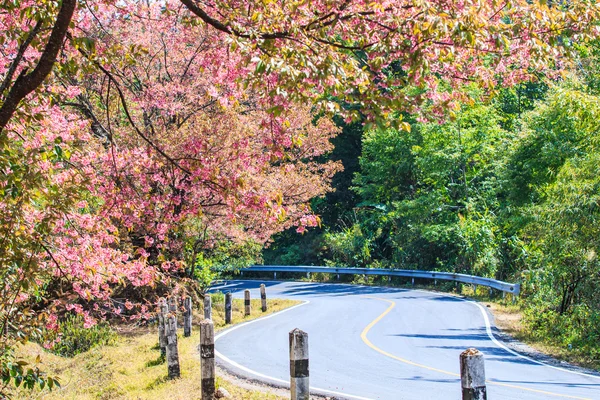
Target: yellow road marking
{"x":364,"y":338}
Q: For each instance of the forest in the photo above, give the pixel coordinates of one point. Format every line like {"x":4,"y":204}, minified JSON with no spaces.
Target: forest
{"x":147,"y":146}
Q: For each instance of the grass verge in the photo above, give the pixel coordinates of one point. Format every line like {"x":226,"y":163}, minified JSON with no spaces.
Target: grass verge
{"x":132,"y":368}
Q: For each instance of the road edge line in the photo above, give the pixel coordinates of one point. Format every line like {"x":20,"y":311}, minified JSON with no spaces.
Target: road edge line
{"x":270,"y":378}
{"x":490,"y":333}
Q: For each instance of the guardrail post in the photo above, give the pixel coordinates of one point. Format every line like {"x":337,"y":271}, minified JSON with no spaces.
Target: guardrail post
{"x":207,"y":306}
{"x":187,"y":317}
{"x":299,"y":385}
{"x":412,"y":281}
{"x":172,"y":353}
{"x":308,"y":275}
{"x":472,"y":375}
{"x":228,"y":308}
{"x":173,"y":308}
{"x":435,"y":282}
{"x":207,"y":359}
{"x":247,"y":304}
{"x":274,"y":275}
{"x":475,"y":290}
{"x":163,"y":310}
{"x":338,"y":277}
{"x":263,"y":297}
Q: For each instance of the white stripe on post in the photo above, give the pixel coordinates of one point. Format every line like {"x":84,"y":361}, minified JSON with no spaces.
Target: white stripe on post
{"x":472,"y":375}
{"x":299,"y":385}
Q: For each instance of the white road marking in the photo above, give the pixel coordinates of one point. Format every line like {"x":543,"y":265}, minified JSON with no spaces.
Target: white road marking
{"x":270,"y":378}
{"x":488,"y":330}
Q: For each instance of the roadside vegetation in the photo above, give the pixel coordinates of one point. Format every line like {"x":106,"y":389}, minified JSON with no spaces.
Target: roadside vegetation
{"x":130,"y":366}
{"x":507,"y":188}
{"x":148,"y":146}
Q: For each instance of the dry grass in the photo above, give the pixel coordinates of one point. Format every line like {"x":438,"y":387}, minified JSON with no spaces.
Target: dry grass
{"x":132,"y":368}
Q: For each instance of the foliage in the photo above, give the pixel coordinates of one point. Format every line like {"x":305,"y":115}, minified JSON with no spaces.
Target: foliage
{"x":73,"y":336}
{"x":428,"y":196}
{"x":135,"y":136}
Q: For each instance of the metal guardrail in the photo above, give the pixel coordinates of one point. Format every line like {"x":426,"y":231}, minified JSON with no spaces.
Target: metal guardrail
{"x":513,"y":288}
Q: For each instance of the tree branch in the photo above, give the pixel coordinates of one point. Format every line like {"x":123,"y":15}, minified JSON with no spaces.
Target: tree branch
{"x":28,"y":82}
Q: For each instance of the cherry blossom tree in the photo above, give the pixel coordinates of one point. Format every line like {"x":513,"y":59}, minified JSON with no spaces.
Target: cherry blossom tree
{"x":127,"y":126}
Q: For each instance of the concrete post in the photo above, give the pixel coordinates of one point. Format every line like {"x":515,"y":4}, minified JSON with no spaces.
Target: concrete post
{"x":299,"y":385}
{"x":207,"y":359}
{"x":172,"y":353}
{"x":472,"y":375}
{"x":163,"y":310}
{"x":228,"y":308}
{"x":173,"y":308}
{"x":207,"y":307}
{"x":187,"y":317}
{"x":263,"y":297}
{"x":247,"y":304}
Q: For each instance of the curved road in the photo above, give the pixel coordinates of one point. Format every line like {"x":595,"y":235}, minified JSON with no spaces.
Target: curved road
{"x":386,"y":343}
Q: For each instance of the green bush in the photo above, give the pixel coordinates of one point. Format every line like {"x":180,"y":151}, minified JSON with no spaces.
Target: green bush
{"x":217,"y":297}
{"x":73,"y":338}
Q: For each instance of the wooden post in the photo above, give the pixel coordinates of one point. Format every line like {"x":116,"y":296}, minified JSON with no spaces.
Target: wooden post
{"x":163,"y":310}
{"x":207,"y":307}
{"x":172,"y":353}
{"x":207,"y":359}
{"x":173,"y":308}
{"x":263,"y":297}
{"x":228,"y":308}
{"x":187,"y":317}
{"x":247,"y":304}
{"x":472,"y":375}
{"x":299,"y":385}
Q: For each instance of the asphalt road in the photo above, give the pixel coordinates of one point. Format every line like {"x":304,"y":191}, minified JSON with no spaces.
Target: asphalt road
{"x":386,"y":343}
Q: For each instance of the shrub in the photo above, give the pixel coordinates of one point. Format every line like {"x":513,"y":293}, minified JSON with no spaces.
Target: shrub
{"x":73,"y":338}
